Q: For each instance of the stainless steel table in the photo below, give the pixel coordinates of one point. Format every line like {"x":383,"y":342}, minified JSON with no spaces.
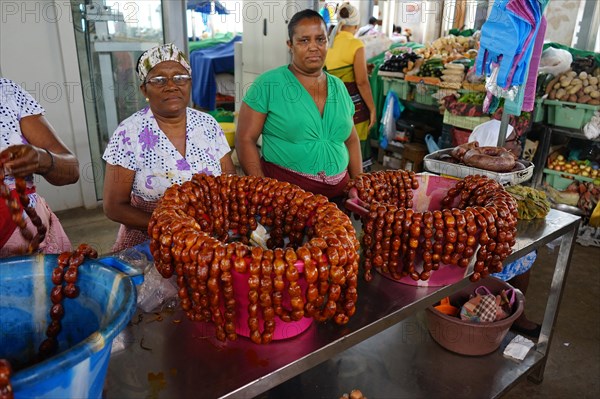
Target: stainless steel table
{"x":175,"y":358}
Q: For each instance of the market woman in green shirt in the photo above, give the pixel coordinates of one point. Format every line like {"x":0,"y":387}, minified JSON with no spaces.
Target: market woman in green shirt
{"x":305,"y":116}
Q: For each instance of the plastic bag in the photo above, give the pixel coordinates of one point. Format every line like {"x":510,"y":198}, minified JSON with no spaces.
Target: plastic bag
{"x":392,"y":110}
{"x":592,"y":128}
{"x":156,"y":291}
{"x":555,"y":61}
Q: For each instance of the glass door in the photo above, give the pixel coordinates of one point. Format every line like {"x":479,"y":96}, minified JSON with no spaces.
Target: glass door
{"x":110,"y":37}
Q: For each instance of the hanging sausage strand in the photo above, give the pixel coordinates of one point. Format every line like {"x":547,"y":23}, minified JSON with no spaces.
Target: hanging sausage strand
{"x":64,"y":278}
{"x":16,"y":207}
{"x":200,"y":232}
{"x":6,"y":391}
{"x":395,"y":235}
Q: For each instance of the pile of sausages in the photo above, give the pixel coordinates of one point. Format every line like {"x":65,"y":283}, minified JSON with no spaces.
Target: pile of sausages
{"x":495,"y":159}
{"x":14,"y":205}
{"x":200,"y":232}
{"x":396,"y":237}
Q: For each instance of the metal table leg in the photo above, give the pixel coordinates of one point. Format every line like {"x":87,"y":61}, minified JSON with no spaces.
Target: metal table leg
{"x":559,"y":280}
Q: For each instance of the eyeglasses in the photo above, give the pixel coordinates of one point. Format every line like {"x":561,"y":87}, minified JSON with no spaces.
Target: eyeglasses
{"x":160,"y":81}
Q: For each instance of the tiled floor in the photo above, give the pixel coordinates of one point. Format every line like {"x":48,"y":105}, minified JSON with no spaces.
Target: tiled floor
{"x":573,"y":367}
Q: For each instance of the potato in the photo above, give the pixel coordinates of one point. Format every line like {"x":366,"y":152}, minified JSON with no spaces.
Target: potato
{"x":594,"y":101}
{"x":552,"y":85}
{"x":595,"y":94}
{"x":566,"y":82}
{"x":560,"y":93}
{"x":588,"y":89}
{"x":572,"y":98}
{"x":585,"y":82}
{"x":571,"y":74}
{"x":584,"y":99}
{"x":574,"y":89}
{"x":552,"y":95}
{"x":583,"y":75}
{"x":593,"y":80}
{"x":575,"y":82}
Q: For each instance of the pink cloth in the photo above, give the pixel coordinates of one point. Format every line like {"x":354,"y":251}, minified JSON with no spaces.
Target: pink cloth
{"x":128,"y":237}
{"x":530,"y":88}
{"x":55,"y":242}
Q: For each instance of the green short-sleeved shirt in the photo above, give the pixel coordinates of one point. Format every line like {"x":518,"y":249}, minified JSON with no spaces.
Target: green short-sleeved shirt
{"x":295,"y":135}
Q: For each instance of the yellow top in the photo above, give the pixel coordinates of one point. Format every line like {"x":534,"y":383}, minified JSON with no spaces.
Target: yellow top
{"x":342,"y":53}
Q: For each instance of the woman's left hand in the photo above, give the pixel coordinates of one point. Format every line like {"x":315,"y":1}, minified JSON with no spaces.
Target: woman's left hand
{"x":24,"y":159}
{"x":372,"y":118}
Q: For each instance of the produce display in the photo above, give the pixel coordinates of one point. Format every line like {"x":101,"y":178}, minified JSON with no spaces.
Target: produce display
{"x":452,"y":76}
{"x":476,"y":211}
{"x":531,"y":203}
{"x":450,"y":48}
{"x":589,"y":196}
{"x":575,"y":87}
{"x":583,"y":168}
{"x":495,"y":159}
{"x":400,"y":62}
{"x":200,"y":230}
{"x":432,"y":67}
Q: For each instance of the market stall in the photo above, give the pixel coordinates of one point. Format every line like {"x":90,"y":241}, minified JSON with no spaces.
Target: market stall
{"x":169,"y":356}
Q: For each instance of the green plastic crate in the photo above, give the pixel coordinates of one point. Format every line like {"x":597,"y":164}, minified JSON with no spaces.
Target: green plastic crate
{"x":399,"y":86}
{"x":423,"y":94}
{"x":569,"y":115}
{"x":464,"y":122}
{"x":539,"y":111}
{"x":562,"y":180}
{"x":222,"y":115}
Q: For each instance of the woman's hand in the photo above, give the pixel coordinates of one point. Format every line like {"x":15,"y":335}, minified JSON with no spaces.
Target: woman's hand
{"x":24,"y":160}
{"x":372,"y":118}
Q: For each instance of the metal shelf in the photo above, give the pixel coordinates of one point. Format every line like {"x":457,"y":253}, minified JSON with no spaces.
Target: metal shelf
{"x":178,"y":358}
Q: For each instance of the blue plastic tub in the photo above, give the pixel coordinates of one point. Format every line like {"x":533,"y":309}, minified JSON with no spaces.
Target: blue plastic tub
{"x":103,"y":308}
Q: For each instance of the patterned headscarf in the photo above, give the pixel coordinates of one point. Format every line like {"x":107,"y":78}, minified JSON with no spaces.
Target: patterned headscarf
{"x":352,"y":20}
{"x":158,"y":54}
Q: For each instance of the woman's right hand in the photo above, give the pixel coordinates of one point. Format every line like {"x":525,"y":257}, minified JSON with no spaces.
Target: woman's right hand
{"x":23,"y":160}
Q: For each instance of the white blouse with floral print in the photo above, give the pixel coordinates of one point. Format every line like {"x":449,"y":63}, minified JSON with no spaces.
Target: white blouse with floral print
{"x":140,"y":145}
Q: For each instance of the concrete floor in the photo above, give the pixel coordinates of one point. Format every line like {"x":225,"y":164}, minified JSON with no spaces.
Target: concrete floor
{"x":573,"y":368}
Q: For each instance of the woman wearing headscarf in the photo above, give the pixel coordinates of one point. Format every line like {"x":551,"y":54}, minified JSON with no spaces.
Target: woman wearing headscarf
{"x":304,"y":116}
{"x":163,"y":144}
{"x":29,"y":145}
{"x":346,"y":60}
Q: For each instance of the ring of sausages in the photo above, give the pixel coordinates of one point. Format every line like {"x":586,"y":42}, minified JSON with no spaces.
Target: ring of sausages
{"x":476,"y":211}
{"x":459,"y":151}
{"x":201,"y":229}
{"x":496,"y":159}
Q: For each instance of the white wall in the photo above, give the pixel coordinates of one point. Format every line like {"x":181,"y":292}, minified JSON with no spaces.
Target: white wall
{"x":423,"y":18}
{"x":37,"y":51}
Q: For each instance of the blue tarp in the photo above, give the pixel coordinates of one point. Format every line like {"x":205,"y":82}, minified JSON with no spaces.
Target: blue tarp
{"x":206,"y":63}
{"x":204,"y":7}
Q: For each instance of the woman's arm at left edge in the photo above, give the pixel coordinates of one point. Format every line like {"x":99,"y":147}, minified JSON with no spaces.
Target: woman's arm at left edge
{"x":64,"y":169}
